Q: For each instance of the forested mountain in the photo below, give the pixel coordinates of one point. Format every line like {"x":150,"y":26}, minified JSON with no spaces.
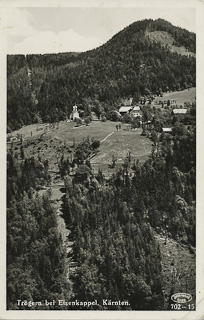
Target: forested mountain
{"x":132,"y":63}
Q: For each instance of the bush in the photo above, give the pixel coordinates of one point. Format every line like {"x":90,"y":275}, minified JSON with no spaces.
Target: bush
{"x":82,"y":174}
{"x":103,"y":117}
{"x":87,"y":120}
{"x":114,"y":116}
{"x":127,"y":118}
{"x":95,"y":144}
{"x":78,"y":122}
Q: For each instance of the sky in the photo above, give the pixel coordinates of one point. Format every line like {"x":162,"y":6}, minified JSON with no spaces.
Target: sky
{"x":34,"y":30}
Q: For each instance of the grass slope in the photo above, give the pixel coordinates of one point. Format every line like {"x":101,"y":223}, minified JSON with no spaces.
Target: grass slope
{"x":58,"y":141}
{"x":119,"y":144}
{"x":167,"y":40}
{"x":179,"y":96}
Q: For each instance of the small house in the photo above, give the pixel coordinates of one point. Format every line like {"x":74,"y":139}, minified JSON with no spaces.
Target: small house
{"x":136,"y":112}
{"x":166,"y":130}
{"x":179,"y":111}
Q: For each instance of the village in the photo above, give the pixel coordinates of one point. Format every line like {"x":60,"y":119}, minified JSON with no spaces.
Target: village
{"x":131,"y":128}
{"x":137,"y":115}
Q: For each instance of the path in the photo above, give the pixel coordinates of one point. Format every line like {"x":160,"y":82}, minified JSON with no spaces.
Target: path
{"x":107,"y":137}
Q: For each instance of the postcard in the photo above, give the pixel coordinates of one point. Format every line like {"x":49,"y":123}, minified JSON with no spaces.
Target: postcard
{"x":102,"y":176}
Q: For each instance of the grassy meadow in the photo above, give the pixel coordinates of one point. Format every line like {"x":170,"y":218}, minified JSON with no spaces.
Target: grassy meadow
{"x":61,"y":139}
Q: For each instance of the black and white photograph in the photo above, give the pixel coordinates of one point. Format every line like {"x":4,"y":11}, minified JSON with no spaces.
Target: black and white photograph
{"x":101,"y":152}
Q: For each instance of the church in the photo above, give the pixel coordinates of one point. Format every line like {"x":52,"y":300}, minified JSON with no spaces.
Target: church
{"x":75,"y":114}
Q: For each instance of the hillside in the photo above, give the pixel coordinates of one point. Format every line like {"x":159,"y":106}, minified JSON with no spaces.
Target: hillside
{"x":132,"y":63}
{"x":83,"y":228}
{"x":166,"y":39}
{"x":178,"y":268}
{"x":181,"y":97}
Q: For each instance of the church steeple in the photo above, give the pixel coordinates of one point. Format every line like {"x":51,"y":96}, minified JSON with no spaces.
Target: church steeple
{"x":75,"y":113}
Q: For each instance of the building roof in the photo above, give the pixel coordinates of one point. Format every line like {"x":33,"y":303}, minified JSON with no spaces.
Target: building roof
{"x":166,"y":129}
{"x":179,"y":111}
{"x":136,"y":108}
{"x":125,"y":109}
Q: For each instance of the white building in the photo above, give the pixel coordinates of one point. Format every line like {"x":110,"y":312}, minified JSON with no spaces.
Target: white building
{"x":179,"y":111}
{"x":75,"y":114}
{"x":136,"y":112}
{"x":166,"y":130}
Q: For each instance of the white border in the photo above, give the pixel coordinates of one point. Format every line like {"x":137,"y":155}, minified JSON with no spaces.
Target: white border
{"x":157,"y":315}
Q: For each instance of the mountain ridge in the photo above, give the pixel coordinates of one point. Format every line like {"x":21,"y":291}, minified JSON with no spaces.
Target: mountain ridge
{"x":129,"y":64}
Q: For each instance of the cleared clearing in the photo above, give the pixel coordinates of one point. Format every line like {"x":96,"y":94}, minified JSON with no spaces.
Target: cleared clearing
{"x":118,"y":145}
{"x":179,"y":96}
{"x":167,"y":40}
{"x":61,"y":141}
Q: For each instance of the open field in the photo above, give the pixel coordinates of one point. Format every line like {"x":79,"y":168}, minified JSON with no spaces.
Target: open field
{"x":98,"y":130}
{"x":67,"y":131}
{"x":179,"y":96}
{"x":119,"y":144}
{"x":58,"y":141}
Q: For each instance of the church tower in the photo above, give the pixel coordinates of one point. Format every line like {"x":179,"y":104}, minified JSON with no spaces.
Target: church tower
{"x":75,"y":114}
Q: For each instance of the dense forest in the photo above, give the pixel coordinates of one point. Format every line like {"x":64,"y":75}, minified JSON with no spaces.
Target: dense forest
{"x":45,"y":87}
{"x":36,"y":268}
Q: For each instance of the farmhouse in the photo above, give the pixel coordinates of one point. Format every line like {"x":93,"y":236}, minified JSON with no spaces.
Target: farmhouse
{"x":179,"y":111}
{"x":166,"y":130}
{"x":123,"y":110}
